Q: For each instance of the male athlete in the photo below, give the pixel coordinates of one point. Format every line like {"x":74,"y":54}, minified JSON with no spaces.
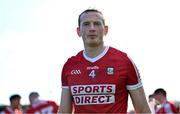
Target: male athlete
{"x":38,"y":106}
{"x":99,"y":78}
{"x":15,"y":105}
{"x":167,"y":107}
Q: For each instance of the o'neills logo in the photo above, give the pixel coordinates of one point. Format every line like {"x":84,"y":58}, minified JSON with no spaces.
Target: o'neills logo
{"x":92,"y":68}
{"x":93,"y":94}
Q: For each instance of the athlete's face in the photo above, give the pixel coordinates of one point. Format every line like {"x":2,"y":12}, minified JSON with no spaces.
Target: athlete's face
{"x":158,"y":97}
{"x":15,"y":102}
{"x":92,"y":29}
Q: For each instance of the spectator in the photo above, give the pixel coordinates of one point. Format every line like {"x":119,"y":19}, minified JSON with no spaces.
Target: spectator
{"x":38,"y":106}
{"x":153,"y":104}
{"x":167,"y":107}
{"x":15,"y":105}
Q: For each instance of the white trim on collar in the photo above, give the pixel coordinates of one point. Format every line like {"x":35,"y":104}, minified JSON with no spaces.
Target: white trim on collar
{"x":94,"y":59}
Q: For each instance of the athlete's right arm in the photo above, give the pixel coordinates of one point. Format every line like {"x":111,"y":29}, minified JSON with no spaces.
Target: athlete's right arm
{"x":66,"y":101}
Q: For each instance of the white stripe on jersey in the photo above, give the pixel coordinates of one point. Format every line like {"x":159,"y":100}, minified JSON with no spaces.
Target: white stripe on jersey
{"x":139,"y":84}
{"x":65,"y":87}
{"x":133,"y":87}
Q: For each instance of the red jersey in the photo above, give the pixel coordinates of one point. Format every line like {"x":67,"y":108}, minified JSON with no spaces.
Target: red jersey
{"x":168,"y":108}
{"x":43,"y":107}
{"x":100,"y":84}
{"x":9,"y":110}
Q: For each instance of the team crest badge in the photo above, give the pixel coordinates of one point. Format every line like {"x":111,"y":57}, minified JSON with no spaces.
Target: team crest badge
{"x":110,"y":71}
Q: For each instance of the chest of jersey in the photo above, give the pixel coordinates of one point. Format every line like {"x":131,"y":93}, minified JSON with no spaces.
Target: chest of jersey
{"x":97,"y":83}
{"x":96,"y":74}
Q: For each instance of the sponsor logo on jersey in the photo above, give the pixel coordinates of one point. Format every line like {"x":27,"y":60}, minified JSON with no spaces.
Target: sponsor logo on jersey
{"x":110,"y":71}
{"x":92,"y":67}
{"x":93,"y":99}
{"x":75,"y":72}
{"x":93,"y":94}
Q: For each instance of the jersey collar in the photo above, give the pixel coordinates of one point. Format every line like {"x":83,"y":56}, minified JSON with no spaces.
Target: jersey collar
{"x":94,"y":59}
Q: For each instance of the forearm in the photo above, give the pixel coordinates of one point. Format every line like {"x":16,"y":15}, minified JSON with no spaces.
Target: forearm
{"x":145,"y":110}
{"x":139,"y":101}
{"x":65,"y":110}
{"x":66,"y":102}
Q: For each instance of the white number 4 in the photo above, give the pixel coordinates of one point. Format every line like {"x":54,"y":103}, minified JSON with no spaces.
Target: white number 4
{"x":92,"y":74}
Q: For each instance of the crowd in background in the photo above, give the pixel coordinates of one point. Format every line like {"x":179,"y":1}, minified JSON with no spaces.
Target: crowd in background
{"x":158,"y":104}
{"x":36,"y":106}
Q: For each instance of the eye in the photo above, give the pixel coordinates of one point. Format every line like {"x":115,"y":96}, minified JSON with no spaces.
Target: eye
{"x":86,"y":23}
{"x":97,"y":23}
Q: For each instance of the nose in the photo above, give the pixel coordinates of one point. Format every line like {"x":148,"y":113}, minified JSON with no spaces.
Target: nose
{"x":92,"y":28}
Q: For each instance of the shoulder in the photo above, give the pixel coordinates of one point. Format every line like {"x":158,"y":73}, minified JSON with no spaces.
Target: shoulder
{"x":8,"y":110}
{"x":74,"y":59}
{"x":52,"y":103}
{"x":171,"y":103}
{"x":29,"y":109}
{"x":116,"y":53}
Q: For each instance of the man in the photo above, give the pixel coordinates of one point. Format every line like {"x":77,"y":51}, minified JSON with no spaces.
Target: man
{"x":15,"y":105}
{"x":98,"y":79}
{"x":153,"y":104}
{"x":167,"y":107}
{"x":38,"y":106}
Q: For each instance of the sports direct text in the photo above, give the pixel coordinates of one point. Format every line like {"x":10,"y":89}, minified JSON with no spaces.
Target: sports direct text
{"x":93,"y":94}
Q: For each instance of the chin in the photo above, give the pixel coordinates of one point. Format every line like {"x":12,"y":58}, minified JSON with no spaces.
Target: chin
{"x":93,"y":44}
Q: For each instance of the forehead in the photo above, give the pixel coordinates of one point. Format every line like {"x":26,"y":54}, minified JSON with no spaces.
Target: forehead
{"x":91,"y":16}
{"x":157,"y":94}
{"x":16,"y":99}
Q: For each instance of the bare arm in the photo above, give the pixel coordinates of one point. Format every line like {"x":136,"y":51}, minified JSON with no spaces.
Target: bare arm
{"x":66,"y":101}
{"x":139,"y":101}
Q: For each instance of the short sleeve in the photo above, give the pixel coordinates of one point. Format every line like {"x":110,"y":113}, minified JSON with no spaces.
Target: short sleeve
{"x":133,"y":79}
{"x":64,"y":76}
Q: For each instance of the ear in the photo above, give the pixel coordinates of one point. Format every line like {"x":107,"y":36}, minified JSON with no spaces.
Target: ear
{"x":78,"y":31}
{"x":105,"y":30}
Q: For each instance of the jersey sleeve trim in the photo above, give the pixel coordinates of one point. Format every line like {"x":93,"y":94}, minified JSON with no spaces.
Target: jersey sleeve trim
{"x":133,"y":87}
{"x":65,"y":87}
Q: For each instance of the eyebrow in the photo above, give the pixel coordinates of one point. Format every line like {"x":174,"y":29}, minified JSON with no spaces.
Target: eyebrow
{"x":101,"y":21}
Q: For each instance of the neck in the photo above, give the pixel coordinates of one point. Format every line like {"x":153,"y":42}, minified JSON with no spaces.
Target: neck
{"x":94,"y":51}
{"x":16,"y":107}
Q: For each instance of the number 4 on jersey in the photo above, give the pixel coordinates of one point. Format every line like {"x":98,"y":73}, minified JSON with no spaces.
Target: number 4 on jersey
{"x":92,"y":73}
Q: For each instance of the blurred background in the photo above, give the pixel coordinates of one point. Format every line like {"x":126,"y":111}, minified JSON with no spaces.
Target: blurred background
{"x":38,"y":36}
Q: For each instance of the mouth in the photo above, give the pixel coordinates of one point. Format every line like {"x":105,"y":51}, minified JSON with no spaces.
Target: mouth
{"x":92,"y":36}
